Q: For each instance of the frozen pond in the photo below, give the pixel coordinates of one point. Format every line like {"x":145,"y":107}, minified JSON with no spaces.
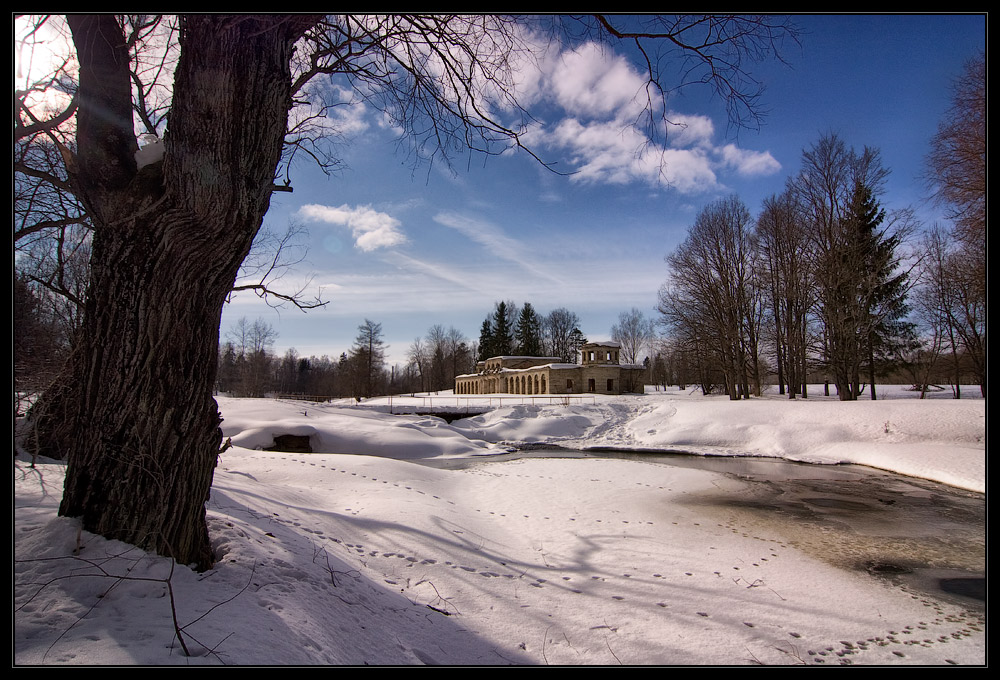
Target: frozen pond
{"x":922,"y":536}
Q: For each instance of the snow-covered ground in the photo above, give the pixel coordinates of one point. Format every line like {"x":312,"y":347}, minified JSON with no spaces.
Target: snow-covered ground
{"x":358,"y":554}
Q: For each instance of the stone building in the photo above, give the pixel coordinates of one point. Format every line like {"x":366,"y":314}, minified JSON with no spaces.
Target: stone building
{"x":600,"y":373}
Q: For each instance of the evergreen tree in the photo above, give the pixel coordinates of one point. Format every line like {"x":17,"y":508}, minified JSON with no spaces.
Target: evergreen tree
{"x":438,"y":378}
{"x":368,"y":359}
{"x":576,"y":341}
{"x":487,"y":343}
{"x":503,"y":334}
{"x":882,"y":287}
{"x":528,"y":332}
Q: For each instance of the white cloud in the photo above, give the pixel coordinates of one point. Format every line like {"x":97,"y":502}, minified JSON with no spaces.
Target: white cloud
{"x":689,"y":130}
{"x":484,"y":233}
{"x":687,"y":170}
{"x":371,"y":229}
{"x":317,"y":116}
{"x":590,"y":81}
{"x":602,"y":151}
{"x":494,"y":240}
{"x":600,"y":98}
{"x":749,"y":163}
{"x":610,"y":153}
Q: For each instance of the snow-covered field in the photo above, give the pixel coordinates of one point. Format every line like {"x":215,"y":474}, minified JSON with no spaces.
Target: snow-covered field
{"x":357,"y":554}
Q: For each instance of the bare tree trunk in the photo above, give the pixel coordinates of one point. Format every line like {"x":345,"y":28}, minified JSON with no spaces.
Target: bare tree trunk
{"x":133,"y":413}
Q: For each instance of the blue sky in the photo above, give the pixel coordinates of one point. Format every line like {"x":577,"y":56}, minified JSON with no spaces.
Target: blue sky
{"x":410,"y":248}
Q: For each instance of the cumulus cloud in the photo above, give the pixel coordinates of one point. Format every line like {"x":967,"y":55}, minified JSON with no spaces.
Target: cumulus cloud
{"x":589,"y":81}
{"x":590,"y":103}
{"x":608,"y":153}
{"x":749,"y":163}
{"x":599,"y":99}
{"x":687,"y":130}
{"x":371,"y":229}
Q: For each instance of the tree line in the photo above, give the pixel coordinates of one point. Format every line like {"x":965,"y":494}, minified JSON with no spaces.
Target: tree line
{"x":821,"y":285}
{"x":248,"y":367}
{"x":522,"y":331}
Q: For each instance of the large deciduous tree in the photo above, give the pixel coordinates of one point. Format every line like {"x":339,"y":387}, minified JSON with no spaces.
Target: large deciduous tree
{"x":956,"y":170}
{"x":860,"y":288}
{"x":132,"y":411}
{"x":712,"y":298}
{"x":956,"y":165}
{"x":559,"y":325}
{"x":783,"y":244}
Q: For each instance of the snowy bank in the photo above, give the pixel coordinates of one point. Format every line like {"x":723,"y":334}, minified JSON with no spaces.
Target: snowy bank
{"x":942,"y":440}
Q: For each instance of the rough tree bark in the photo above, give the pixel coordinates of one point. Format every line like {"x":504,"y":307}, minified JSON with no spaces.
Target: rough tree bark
{"x":133,"y":412}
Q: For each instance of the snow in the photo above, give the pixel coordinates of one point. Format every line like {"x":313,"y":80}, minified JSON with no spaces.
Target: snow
{"x":359,"y":554}
{"x":151,"y":151}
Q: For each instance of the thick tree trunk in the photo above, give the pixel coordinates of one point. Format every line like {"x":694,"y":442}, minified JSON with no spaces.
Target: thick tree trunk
{"x":143,"y":436}
{"x":133,"y":413}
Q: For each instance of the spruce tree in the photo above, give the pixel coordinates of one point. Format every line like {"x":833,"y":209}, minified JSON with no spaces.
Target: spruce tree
{"x":528,"y":332}
{"x":487,"y":343}
{"x":882,"y":287}
{"x":577,"y":340}
{"x":503,"y":336}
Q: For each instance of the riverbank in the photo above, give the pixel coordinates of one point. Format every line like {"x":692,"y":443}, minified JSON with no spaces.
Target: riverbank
{"x":354,"y":557}
{"x":938,"y":439}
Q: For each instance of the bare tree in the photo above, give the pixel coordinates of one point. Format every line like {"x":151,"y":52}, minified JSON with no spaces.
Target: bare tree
{"x":133,"y":409}
{"x":38,"y":343}
{"x":633,"y":332}
{"x":273,"y":256}
{"x":252,"y":342}
{"x":559,"y":325}
{"x":950,"y":304}
{"x":852,"y":254}
{"x":168,"y":242}
{"x":784,"y":248}
{"x":956,"y":170}
{"x":714,"y":50}
{"x":460,"y":356}
{"x":712,"y":297}
{"x":956,"y":165}
{"x":417,"y":356}
{"x":437,"y":352}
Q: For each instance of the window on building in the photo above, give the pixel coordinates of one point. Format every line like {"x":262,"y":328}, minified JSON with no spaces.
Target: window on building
{"x":592,"y":385}
{"x":611,"y":384}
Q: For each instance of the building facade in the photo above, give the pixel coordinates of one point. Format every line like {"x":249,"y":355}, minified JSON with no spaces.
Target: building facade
{"x":599,"y":373}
